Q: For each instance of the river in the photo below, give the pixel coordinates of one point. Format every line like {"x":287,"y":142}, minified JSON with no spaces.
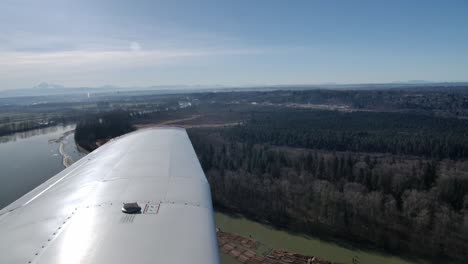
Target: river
{"x":27,"y":159}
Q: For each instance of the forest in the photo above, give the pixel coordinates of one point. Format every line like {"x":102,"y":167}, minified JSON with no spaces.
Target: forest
{"x":395,"y":133}
{"x":402,"y":204}
{"x":95,"y":129}
{"x":442,"y":101}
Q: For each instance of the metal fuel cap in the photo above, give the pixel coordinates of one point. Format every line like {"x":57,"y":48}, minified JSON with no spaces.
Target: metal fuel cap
{"x":131,"y":208}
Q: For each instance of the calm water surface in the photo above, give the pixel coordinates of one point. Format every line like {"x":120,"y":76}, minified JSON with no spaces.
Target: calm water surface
{"x":30,"y":158}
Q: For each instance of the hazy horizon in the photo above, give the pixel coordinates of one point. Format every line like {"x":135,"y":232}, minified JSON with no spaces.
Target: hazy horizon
{"x":46,"y":85}
{"x":241,"y":43}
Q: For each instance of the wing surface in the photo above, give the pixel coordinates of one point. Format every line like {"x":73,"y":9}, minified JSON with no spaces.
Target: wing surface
{"x":76,"y":216}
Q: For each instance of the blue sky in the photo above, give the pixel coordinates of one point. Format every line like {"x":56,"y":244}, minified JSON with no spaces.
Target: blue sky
{"x":230,"y":42}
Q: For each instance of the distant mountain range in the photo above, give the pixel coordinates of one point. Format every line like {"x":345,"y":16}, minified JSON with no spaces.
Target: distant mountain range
{"x":46,"y":89}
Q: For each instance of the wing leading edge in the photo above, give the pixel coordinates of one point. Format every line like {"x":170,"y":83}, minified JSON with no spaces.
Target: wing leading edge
{"x":76,"y":216}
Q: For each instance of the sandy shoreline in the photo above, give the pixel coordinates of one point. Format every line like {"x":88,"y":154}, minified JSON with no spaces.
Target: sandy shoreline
{"x":67,"y":161}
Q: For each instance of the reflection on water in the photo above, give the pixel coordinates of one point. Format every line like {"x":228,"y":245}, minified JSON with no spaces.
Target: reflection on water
{"x":35,"y":132}
{"x":27,"y":159}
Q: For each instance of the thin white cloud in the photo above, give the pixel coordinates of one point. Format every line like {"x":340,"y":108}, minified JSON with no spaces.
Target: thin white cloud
{"x":87,"y":64}
{"x":14,"y":60}
{"x":84,"y":58}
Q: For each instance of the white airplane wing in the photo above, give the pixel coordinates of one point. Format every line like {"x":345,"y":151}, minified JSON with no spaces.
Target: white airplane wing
{"x":77,"y":216}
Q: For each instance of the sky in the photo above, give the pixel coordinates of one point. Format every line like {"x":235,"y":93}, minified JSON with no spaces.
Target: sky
{"x":230,"y":42}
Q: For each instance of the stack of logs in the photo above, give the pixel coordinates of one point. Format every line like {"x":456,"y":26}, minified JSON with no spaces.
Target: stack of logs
{"x":245,"y":251}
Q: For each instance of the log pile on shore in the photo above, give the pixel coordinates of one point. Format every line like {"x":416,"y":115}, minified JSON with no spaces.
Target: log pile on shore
{"x":245,"y":250}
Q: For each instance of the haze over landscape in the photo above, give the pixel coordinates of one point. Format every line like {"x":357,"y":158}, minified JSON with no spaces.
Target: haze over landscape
{"x":235,"y":43}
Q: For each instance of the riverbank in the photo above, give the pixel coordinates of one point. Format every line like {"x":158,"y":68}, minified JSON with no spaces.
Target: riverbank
{"x":269,"y":238}
{"x":64,"y":141}
{"x":66,"y":159}
{"x":248,"y":250}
